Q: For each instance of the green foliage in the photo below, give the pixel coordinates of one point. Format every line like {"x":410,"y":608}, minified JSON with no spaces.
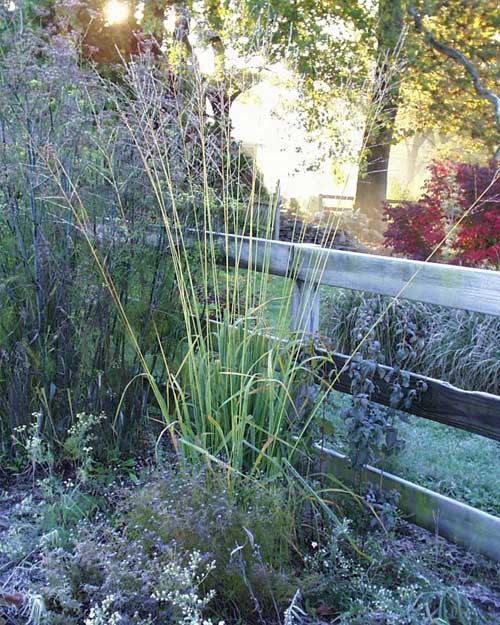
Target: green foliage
{"x":384,"y":508}
{"x":471,"y":459}
{"x":398,"y":586}
{"x":46,"y":517}
{"x":248,"y":531}
{"x":64,"y":345}
{"x":237,"y":400}
{"x":340,"y":43}
{"x":109,"y":578}
{"x":307,"y":34}
{"x":97,"y":318}
{"x":84,"y":448}
{"x":438,"y":90}
{"x":371,"y":428}
{"x":454,"y":345}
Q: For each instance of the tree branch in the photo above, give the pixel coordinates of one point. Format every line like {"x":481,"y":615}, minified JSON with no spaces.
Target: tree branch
{"x":454,"y":54}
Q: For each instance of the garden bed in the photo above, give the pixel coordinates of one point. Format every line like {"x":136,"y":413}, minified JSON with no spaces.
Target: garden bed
{"x":74,"y":554}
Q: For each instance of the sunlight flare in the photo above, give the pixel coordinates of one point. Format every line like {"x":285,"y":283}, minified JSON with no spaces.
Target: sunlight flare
{"x":116,"y":12}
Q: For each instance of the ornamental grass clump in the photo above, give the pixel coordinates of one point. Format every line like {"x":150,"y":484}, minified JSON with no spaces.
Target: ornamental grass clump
{"x":229,"y":393}
{"x":64,"y":349}
{"x":135,"y":306}
{"x":458,"y":346}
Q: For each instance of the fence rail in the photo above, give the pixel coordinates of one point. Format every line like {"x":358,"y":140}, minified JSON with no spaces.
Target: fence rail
{"x":477,"y":290}
{"x":456,"y":521}
{"x":472,"y":411}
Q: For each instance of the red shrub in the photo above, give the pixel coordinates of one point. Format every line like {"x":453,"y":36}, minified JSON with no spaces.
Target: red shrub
{"x":462,"y":200}
{"x":478,"y":238}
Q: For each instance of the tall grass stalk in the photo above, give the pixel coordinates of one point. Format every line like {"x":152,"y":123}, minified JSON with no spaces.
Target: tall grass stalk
{"x":65,"y":349}
{"x":230,"y":397}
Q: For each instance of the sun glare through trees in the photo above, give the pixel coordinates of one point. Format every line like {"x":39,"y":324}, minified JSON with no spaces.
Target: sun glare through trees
{"x":116,"y":12}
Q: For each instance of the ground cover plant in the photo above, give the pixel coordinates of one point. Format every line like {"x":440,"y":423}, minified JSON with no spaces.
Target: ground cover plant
{"x":178,"y":546}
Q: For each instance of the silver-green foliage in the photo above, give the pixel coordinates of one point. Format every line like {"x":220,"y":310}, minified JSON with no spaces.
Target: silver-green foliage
{"x":460,"y":347}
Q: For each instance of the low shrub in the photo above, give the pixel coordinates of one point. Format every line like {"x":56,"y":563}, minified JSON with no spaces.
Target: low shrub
{"x":181,"y":548}
{"x":459,"y":209}
{"x":247,"y":531}
{"x":110,"y":578}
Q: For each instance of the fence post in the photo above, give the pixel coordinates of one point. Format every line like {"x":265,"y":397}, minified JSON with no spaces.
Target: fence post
{"x":304,"y":321}
{"x":304,"y":312}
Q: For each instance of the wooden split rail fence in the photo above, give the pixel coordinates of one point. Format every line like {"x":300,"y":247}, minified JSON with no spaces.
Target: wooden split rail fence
{"x":311,"y":266}
{"x":447,"y":285}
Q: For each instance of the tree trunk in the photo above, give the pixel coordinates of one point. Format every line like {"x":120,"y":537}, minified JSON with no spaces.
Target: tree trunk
{"x":371,"y":189}
{"x":417,"y":142}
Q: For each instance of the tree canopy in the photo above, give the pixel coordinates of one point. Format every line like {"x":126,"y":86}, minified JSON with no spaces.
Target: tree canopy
{"x":329,"y":41}
{"x":365,"y":50}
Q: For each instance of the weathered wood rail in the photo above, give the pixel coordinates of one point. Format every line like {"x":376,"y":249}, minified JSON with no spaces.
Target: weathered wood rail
{"x":460,"y":523}
{"x":477,"y":290}
{"x":447,"y":285}
{"x":472,"y":411}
